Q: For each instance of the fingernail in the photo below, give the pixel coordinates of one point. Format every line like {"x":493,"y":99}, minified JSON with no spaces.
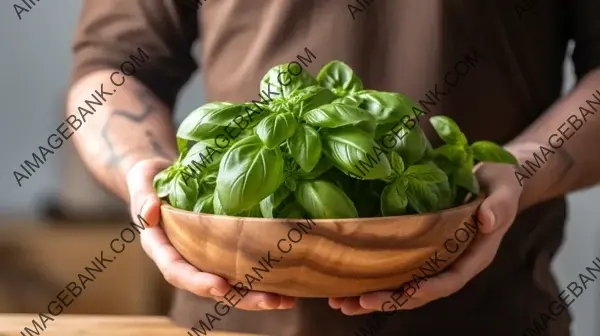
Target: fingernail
{"x":263,"y":305}
{"x":492,"y":218}
{"x":216,"y":292}
{"x":145,"y":207}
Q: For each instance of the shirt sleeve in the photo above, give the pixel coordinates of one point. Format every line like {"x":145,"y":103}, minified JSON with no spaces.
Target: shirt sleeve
{"x":585,"y":31}
{"x":110,"y":31}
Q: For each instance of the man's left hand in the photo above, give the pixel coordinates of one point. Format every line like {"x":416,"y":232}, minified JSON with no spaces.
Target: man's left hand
{"x":496,"y":214}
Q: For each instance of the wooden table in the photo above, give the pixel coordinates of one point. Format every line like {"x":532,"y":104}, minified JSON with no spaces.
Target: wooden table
{"x":97,"y":325}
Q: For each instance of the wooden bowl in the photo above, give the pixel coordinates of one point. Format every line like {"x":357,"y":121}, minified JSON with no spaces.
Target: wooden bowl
{"x":322,"y":257}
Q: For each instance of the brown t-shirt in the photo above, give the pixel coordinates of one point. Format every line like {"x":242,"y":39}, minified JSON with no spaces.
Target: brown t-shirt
{"x":494,"y":66}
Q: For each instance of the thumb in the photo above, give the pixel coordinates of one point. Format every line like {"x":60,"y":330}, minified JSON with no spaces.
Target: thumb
{"x":142,"y":198}
{"x":500,"y":207}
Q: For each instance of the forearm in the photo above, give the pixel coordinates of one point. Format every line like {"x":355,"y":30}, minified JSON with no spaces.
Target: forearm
{"x":575,"y":163}
{"x":131,"y":125}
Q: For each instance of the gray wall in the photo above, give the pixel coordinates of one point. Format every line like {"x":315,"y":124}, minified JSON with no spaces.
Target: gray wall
{"x":34,"y":63}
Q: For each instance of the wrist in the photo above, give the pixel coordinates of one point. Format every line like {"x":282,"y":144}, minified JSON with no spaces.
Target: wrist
{"x":535,"y":172}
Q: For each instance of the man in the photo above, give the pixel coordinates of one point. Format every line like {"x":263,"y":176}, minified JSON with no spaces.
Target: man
{"x":494,"y":66}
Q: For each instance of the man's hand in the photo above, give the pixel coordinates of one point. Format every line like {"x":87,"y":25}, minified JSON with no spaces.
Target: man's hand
{"x":174,"y":268}
{"x":496,"y":213}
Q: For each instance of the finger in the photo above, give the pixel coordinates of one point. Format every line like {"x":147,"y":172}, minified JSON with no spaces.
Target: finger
{"x":176,"y":270}
{"x":143,"y":198}
{"x":499,"y":208}
{"x":351,"y":306}
{"x":395,"y":301}
{"x":335,"y":303}
{"x":478,"y":256}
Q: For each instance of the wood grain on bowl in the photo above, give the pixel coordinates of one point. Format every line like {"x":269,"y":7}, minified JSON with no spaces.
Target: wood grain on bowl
{"x":321,"y":257}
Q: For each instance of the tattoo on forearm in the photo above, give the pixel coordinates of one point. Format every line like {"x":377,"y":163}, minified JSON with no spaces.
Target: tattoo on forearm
{"x":149,"y":108}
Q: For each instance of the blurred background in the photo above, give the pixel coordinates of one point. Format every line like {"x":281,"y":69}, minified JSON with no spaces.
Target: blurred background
{"x":53,"y":226}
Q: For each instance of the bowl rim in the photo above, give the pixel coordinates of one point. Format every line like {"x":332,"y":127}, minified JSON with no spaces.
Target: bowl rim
{"x":479,"y":199}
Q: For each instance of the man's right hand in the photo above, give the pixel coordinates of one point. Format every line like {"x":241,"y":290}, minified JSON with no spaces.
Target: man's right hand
{"x":177,"y":271}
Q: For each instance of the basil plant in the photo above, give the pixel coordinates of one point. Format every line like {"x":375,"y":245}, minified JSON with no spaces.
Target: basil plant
{"x":323,"y":147}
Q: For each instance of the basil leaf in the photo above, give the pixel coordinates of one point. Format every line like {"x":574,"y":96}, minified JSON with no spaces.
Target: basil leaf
{"x":291,"y":183}
{"x":322,"y":199}
{"x":487,"y":151}
{"x":411,"y":144}
{"x":336,"y":115}
{"x":205,"y":204}
{"x":420,"y":196}
{"x":252,"y":212}
{"x":279,"y":82}
{"x":217,"y":207}
{"x":448,"y":130}
{"x":426,"y":173}
{"x":352,"y":100}
{"x":305,"y":147}
{"x":248,"y":173}
{"x":183,"y":194}
{"x":162,"y":182}
{"x":465,"y":178}
{"x":397,"y":163}
{"x":276,"y":128}
{"x":182,"y":145}
{"x":444,"y":193}
{"x":209,"y":120}
{"x":453,"y":153}
{"x":385,"y":107}
{"x":393,"y":200}
{"x":355,"y":153}
{"x":312,"y":97}
{"x":291,"y":210}
{"x":271,"y":202}
{"x":339,"y":78}
{"x":202,"y":156}
{"x":322,"y":167}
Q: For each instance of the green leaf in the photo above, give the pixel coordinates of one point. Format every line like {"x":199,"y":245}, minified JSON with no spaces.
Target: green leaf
{"x":202,"y":156}
{"x":448,"y":130}
{"x":217,"y":207}
{"x":465,"y":178}
{"x":336,"y":115}
{"x":456,"y":154}
{"x":487,"y":151}
{"x":248,"y":173}
{"x":291,"y":210}
{"x":397,"y":163}
{"x":182,"y":145}
{"x":291,"y":183}
{"x":305,"y":147}
{"x":205,"y":204}
{"x":322,"y":199}
{"x":393,"y":200}
{"x":271,"y":202}
{"x":425,"y":173}
{"x":352,"y":100}
{"x":411,"y":144}
{"x":276,"y":128}
{"x":312,"y":97}
{"x":355,"y":153}
{"x":420,"y":197}
{"x":385,"y":107}
{"x":209,"y":120}
{"x":254,"y":212}
{"x":339,"y":78}
{"x":162,"y":182}
{"x":183,"y":195}
{"x":279,"y":82}
{"x":322,"y":167}
{"x":445,"y":194}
